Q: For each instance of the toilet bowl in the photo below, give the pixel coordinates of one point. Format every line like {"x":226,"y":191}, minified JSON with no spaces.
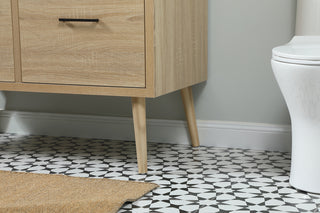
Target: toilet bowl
{"x":296,"y":66}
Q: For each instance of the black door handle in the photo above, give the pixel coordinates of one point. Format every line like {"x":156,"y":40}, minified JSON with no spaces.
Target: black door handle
{"x":78,"y":20}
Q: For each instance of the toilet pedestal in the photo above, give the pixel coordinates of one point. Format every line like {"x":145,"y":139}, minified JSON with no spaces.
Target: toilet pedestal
{"x":300,"y":86}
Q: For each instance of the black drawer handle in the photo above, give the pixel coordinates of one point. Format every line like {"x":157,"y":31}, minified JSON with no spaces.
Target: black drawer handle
{"x":78,"y":20}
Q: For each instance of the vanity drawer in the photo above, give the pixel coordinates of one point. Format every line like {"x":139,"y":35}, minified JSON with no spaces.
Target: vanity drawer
{"x":6,"y":42}
{"x":110,"y":52}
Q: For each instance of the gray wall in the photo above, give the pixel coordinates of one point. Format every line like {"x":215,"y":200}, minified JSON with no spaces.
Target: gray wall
{"x":241,"y":86}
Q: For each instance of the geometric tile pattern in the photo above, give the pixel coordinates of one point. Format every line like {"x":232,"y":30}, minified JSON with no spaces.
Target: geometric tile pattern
{"x":204,"y":179}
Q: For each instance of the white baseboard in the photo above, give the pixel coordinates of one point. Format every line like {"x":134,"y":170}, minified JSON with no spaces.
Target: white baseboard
{"x":212,"y":133}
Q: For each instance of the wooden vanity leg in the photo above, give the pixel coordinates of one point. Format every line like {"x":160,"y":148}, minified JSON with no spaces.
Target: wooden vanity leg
{"x":187,"y":98}
{"x":140,"y":129}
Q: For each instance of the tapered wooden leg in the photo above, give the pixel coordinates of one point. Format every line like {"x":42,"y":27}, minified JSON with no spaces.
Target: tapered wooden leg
{"x":187,"y":98}
{"x":140,"y":129}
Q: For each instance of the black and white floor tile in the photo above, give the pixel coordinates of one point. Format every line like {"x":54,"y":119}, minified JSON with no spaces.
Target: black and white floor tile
{"x":204,"y":179}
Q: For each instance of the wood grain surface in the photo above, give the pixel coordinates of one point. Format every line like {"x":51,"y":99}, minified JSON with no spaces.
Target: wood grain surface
{"x":6,"y":42}
{"x":181,"y":44}
{"x":108,"y":53}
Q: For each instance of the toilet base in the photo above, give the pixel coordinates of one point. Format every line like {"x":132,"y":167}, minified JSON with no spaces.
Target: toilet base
{"x":302,"y":189}
{"x":305,"y":162}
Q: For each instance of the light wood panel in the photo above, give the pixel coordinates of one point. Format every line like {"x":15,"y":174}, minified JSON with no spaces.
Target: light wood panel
{"x":149,"y":44}
{"x":76,"y":89}
{"x":16,"y":41}
{"x":108,"y":53}
{"x":180,"y":43}
{"x":6,"y":42}
{"x":140,"y":131}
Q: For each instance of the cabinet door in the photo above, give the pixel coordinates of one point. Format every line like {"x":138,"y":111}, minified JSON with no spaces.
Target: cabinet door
{"x":6,"y":42}
{"x":110,"y":52}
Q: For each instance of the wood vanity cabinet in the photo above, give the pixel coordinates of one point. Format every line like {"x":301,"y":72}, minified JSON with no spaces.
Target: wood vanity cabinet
{"x":134,"y":48}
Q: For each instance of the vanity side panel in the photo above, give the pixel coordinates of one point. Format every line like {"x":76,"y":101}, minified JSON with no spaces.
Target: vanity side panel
{"x":6,"y":42}
{"x":181,"y":44}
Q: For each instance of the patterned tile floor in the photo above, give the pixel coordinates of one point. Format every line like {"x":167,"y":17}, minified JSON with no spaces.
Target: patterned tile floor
{"x":204,"y":179}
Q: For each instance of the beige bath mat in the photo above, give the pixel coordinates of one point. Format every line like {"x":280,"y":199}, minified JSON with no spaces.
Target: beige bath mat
{"x":26,"y":192}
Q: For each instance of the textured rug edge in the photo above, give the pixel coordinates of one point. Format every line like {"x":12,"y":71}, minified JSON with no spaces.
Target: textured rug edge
{"x":133,"y":200}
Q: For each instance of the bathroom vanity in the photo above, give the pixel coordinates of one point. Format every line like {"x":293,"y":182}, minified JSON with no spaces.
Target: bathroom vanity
{"x":134,"y":48}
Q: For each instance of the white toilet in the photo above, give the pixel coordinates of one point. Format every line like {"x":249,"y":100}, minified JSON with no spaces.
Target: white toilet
{"x":296,"y":66}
